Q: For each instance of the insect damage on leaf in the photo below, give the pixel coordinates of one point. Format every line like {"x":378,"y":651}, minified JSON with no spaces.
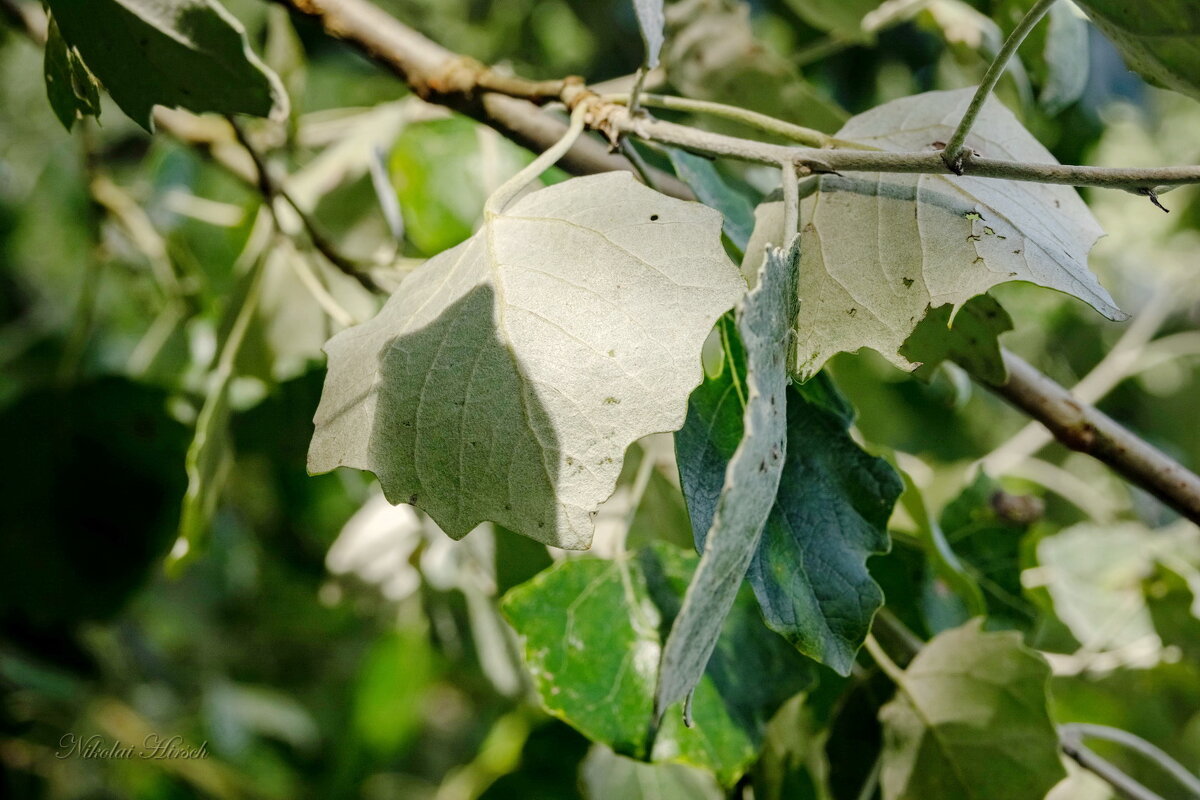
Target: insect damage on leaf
{"x":894,"y":245}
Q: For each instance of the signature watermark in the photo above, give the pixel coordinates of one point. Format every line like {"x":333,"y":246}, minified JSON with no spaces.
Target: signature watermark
{"x":154,"y":747}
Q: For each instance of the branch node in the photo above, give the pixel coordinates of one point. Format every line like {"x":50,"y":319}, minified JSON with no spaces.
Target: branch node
{"x":457,"y":77}
{"x":1147,"y":191}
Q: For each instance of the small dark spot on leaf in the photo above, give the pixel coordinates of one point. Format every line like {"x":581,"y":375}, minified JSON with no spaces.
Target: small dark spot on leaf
{"x":908,"y":282}
{"x":654,"y":217}
{"x":412,"y":499}
{"x":611,"y":401}
{"x":979,"y":259}
{"x":852,"y":311}
{"x":973,"y":238}
{"x":1016,"y":252}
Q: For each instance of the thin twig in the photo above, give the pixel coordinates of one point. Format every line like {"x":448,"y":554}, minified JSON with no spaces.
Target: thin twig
{"x":884,"y":661}
{"x":271,"y":190}
{"x":1125,"y":786}
{"x":1079,"y":731}
{"x":752,"y":119}
{"x":952,"y":155}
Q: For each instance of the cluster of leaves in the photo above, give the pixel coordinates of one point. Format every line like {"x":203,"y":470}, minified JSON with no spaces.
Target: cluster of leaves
{"x":512,"y":386}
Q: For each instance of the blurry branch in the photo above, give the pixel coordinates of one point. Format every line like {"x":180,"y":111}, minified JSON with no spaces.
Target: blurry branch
{"x":1119,"y":363}
{"x":1086,"y":429}
{"x":1071,"y":738}
{"x":506,"y":103}
{"x":271,"y":190}
{"x":954,"y":151}
{"x":1073,"y":734}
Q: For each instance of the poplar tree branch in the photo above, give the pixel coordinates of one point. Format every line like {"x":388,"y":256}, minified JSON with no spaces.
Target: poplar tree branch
{"x":1088,"y":430}
{"x":441,"y":76}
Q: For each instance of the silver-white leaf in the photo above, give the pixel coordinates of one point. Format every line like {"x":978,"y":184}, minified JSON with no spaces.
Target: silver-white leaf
{"x":506,"y":377}
{"x":751,"y":478}
{"x":881,"y":249}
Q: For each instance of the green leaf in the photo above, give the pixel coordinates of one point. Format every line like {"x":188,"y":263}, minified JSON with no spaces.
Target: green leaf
{"x":842,"y":18}
{"x":442,"y":178}
{"x":1160,"y":39}
{"x":187,"y":53}
{"x":592,"y":632}
{"x":650,"y":22}
{"x":986,"y":526}
{"x":969,"y":720}
{"x":71,"y":89}
{"x":809,"y":572}
{"x":604,"y":775}
{"x":701,"y":175}
{"x":506,"y":377}
{"x":395,"y":674}
{"x":751,"y":477}
{"x":880,"y":249}
{"x":972,"y":340}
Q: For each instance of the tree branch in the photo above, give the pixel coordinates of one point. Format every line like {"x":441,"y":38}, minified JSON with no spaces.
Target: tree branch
{"x":430,"y":68}
{"x":1088,"y":430}
{"x":1078,"y":731}
{"x":1073,"y":747}
{"x":444,"y":77}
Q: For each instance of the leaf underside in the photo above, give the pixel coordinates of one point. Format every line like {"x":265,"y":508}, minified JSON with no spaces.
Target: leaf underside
{"x":506,"y":377}
{"x":881,"y":249}
{"x":969,"y":721}
{"x":751,"y":478}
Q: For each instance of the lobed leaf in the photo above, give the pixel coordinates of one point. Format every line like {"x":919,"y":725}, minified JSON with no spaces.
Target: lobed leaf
{"x":882,"y":249}
{"x":591,"y":631}
{"x":830,"y":513}
{"x":506,"y":377}
{"x":969,"y":720}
